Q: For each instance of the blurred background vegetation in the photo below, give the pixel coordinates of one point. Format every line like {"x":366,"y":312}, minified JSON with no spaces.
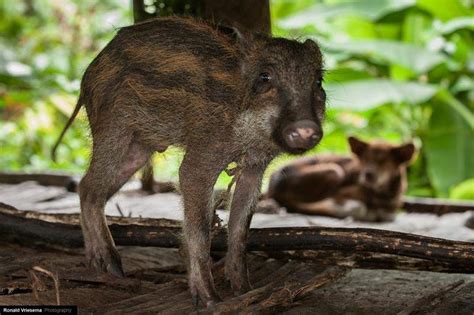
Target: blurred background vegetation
{"x":396,"y":69}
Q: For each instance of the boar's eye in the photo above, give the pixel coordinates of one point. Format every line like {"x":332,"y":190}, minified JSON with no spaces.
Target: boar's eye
{"x":265,"y":77}
{"x":262,"y":84}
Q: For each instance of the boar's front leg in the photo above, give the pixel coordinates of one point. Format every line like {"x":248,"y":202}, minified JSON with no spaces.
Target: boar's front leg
{"x":197,"y":175}
{"x":243,"y":204}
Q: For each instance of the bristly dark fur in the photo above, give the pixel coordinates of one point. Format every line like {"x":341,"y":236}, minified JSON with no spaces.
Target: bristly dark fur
{"x":184,"y":82}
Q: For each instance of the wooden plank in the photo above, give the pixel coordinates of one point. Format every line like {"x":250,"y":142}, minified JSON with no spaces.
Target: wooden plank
{"x":429,"y":301}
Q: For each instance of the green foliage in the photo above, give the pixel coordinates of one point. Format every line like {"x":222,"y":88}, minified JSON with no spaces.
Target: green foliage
{"x":45,"y":47}
{"x":464,"y":190}
{"x":396,"y":69}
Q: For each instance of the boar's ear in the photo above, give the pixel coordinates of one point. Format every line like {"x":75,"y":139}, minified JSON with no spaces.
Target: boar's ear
{"x":244,"y":40}
{"x":403,"y":153}
{"x":358,"y":147}
{"x":241,"y":38}
{"x":311,"y":44}
{"x":314,"y":47}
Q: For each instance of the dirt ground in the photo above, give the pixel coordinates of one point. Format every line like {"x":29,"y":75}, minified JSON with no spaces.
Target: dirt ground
{"x":156,"y":282}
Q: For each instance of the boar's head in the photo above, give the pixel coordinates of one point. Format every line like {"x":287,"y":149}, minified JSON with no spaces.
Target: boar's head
{"x":284,"y":85}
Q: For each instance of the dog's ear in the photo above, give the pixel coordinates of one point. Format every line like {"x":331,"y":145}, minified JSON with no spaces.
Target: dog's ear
{"x":404,"y":153}
{"x":358,"y":147}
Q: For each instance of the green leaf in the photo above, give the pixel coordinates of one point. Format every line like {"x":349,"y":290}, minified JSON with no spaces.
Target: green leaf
{"x":446,"y":9}
{"x":465,"y":190}
{"x":366,"y":8}
{"x":417,"y":27}
{"x":362,"y":95}
{"x":345,"y":74}
{"x":356,"y":27}
{"x":418,"y":59}
{"x":282,"y":8}
{"x":449,"y":149}
{"x":465,"y":22}
{"x":366,"y":94}
{"x":461,"y":110}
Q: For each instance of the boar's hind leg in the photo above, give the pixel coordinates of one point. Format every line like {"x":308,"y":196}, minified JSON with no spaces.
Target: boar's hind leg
{"x":243,"y":204}
{"x":197,"y":175}
{"x":114,"y":161}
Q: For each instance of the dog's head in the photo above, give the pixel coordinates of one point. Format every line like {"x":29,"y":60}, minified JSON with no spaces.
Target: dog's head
{"x":382,"y":165}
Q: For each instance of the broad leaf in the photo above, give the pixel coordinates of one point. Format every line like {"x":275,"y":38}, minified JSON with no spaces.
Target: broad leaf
{"x":465,"y":22}
{"x":366,"y":94}
{"x":449,"y":149}
{"x":445,"y":10}
{"x":415,"y":58}
{"x":465,"y":190}
{"x":366,"y":8}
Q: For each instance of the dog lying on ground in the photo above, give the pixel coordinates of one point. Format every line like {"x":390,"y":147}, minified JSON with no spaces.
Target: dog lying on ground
{"x":368,"y":185}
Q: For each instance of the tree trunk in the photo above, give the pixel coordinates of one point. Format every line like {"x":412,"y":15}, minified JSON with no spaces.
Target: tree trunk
{"x":250,"y":15}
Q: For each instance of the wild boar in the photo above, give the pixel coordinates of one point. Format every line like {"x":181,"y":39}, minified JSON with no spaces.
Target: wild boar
{"x":368,"y":186}
{"x":221,"y":95}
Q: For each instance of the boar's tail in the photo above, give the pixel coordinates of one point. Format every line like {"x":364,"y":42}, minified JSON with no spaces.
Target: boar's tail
{"x":68,"y":124}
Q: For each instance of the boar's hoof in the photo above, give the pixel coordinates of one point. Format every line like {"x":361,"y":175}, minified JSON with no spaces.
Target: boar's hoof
{"x":195,"y":299}
{"x":240,"y":287}
{"x":238,"y":281}
{"x":209,"y":301}
{"x":107,"y":260}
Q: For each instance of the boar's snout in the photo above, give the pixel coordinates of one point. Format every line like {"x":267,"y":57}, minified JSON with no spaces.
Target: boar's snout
{"x":302,"y":135}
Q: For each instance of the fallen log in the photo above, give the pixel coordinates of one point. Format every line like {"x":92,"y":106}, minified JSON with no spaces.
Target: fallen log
{"x":369,"y":260}
{"x":63,"y":230}
{"x":67,"y":181}
{"x":435,"y":206}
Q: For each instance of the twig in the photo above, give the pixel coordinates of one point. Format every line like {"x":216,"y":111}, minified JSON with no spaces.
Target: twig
{"x":55,"y":281}
{"x":36,"y":285}
{"x":274,"y":295}
{"x":119,"y":209}
{"x":294,"y":291}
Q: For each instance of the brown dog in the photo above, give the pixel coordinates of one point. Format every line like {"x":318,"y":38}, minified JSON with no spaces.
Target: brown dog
{"x":367,"y":186}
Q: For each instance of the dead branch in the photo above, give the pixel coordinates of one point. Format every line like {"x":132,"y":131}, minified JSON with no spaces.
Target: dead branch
{"x":30,"y":227}
{"x":66,"y":181}
{"x":369,"y":260}
{"x":55,"y":281}
{"x":295,"y":291}
{"x":36,"y":285}
{"x":436,"y":206}
{"x":276,"y":296}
